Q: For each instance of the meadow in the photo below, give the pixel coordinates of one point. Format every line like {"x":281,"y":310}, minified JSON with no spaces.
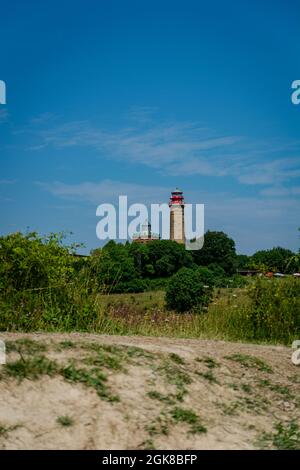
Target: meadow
{"x":145,"y":313}
{"x":231,"y":315}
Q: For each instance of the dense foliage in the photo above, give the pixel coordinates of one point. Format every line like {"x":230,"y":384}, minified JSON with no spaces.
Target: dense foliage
{"x":277,"y":260}
{"x":218,"y":249}
{"x":41,"y":285}
{"x":30,"y":261}
{"x":115,"y":270}
{"x":275,"y":309}
{"x":186,"y":290}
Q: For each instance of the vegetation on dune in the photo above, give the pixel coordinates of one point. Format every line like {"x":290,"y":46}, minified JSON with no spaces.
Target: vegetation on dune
{"x":65,"y":421}
{"x":183,"y":415}
{"x":250,"y":362}
{"x":285,"y":437}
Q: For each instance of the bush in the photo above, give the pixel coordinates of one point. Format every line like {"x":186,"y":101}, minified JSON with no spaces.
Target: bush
{"x":31,"y":262}
{"x":44,"y":287}
{"x":215,"y":276}
{"x":114,"y":270}
{"x":219,"y":274}
{"x":206,"y":276}
{"x":236,"y":281}
{"x":275,"y":309}
{"x":186,"y":291}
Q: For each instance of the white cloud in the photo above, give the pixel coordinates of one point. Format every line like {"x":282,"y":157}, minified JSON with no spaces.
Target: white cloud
{"x":180,"y":148}
{"x":271,"y":172}
{"x":107,"y":191}
{"x":141,"y":114}
{"x":277,"y":191}
{"x":7,"y":182}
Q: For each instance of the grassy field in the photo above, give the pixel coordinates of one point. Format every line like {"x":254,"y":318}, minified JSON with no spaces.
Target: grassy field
{"x":263,"y":311}
{"x":145,"y":313}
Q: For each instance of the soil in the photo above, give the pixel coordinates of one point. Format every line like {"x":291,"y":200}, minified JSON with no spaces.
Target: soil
{"x":172,"y":393}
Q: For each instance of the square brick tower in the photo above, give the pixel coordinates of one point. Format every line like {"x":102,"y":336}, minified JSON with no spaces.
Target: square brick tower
{"x":176,"y":205}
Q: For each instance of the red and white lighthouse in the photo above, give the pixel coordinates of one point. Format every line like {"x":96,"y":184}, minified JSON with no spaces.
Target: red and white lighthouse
{"x":176,"y":205}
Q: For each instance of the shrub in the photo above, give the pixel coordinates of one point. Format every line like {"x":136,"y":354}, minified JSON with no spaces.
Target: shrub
{"x":114,"y":269}
{"x":275,"y":309}
{"x":219,"y":274}
{"x":236,"y":281}
{"x":31,"y":262}
{"x":186,"y":291}
{"x":42,"y":286}
{"x":206,"y":276}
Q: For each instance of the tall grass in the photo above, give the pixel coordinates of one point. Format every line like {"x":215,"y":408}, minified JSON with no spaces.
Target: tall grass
{"x":226,"y":318}
{"x":265,"y":311}
{"x":61,"y":308}
{"x":275,"y":309}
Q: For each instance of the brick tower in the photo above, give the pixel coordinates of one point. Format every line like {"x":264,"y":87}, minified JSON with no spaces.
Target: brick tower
{"x":176,"y":205}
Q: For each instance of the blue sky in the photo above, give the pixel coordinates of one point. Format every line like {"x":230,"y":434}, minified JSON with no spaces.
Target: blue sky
{"x":137,"y":97}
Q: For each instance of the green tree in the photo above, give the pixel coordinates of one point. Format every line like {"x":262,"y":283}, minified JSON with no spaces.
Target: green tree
{"x":167,"y":257}
{"x":218,"y":248}
{"x":140,"y":254}
{"x":242,"y":261}
{"x":115,"y":269}
{"x":185,"y":291}
{"x":276,"y":259}
{"x":159,"y":258}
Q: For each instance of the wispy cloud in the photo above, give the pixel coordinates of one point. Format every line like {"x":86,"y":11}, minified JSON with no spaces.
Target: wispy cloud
{"x":43,"y":118}
{"x":141,"y":114}
{"x":7,"y":182}
{"x":271,"y":172}
{"x":280,"y":191}
{"x":107,"y":191}
{"x":180,"y":148}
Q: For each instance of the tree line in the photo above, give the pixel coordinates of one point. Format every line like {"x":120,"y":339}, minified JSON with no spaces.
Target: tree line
{"x":30,"y":261}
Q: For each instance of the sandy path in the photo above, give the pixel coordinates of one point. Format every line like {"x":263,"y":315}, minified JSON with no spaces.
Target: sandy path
{"x":234,"y":398}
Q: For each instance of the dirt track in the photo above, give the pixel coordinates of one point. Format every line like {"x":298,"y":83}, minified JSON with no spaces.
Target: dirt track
{"x":157,"y":393}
